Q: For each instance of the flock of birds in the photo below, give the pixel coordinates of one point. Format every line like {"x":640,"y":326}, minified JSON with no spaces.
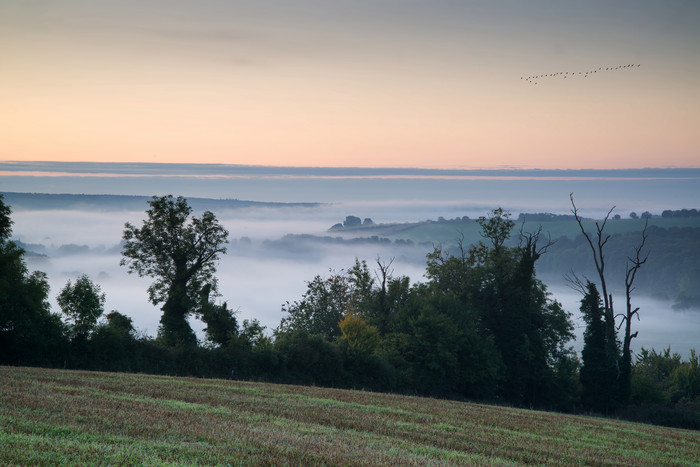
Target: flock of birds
{"x":535,"y":79}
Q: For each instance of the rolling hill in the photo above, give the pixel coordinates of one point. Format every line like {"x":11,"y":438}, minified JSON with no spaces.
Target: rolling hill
{"x":76,"y":417}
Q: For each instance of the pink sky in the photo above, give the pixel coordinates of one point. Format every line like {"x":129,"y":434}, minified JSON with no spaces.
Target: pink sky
{"x":372,"y":84}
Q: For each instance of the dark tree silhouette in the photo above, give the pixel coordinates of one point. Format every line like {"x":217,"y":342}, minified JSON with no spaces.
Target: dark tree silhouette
{"x":500,"y":296}
{"x":29,"y":333}
{"x":597,"y":248}
{"x":83,"y":304}
{"x":352,"y":221}
{"x":599,"y":366}
{"x":632,"y":267}
{"x":180,"y":253}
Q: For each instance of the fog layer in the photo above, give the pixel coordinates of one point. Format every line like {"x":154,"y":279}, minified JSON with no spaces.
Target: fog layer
{"x":260,"y":273}
{"x":256,"y":277}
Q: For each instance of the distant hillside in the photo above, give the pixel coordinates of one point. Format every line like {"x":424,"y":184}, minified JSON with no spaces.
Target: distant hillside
{"x":449,"y":231}
{"x":672,"y":271}
{"x":40,"y":201}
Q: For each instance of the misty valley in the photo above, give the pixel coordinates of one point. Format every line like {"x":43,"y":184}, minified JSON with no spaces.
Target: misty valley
{"x":349,"y":233}
{"x":305,"y":237}
{"x":285,"y":260}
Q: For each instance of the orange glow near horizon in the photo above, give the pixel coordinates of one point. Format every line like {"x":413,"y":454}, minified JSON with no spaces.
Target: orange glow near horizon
{"x":133,"y":88}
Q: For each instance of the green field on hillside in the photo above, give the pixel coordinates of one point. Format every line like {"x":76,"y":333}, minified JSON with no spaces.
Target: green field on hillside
{"x":72,"y":417}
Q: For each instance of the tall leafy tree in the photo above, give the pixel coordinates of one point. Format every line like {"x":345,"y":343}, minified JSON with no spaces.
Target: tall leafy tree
{"x":83,"y":304}
{"x":328,"y":300}
{"x":325,"y":302}
{"x":29,"y":333}
{"x":180,"y":252}
{"x":501,"y":296}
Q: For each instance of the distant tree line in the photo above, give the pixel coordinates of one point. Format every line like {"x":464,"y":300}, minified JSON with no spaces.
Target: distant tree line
{"x":680,"y":213}
{"x":352,"y":221}
{"x":543,"y":217}
{"x":481,"y":327}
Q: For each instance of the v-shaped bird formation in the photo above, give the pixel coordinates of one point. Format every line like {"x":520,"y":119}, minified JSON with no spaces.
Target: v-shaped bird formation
{"x":541,"y":79}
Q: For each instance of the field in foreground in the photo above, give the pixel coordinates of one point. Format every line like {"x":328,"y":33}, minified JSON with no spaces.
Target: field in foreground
{"x":72,"y":417}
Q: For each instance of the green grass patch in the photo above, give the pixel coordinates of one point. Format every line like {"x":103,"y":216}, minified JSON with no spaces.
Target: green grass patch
{"x":76,"y":418}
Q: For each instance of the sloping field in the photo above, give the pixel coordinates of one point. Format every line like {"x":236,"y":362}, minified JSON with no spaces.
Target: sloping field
{"x":71,"y":417}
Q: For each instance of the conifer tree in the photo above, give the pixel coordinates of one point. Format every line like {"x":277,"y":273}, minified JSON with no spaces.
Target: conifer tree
{"x":599,"y":355}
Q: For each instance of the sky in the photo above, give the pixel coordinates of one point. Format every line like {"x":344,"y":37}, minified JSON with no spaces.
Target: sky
{"x":443,"y":84}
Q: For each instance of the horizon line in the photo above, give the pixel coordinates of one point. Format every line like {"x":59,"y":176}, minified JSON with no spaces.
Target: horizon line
{"x":30,"y":168}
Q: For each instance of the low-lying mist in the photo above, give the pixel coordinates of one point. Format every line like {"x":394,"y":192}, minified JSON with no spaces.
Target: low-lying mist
{"x":261,"y":272}
{"x":256,"y":276}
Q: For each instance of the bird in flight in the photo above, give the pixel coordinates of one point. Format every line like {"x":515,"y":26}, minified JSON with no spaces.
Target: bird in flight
{"x":584,"y":73}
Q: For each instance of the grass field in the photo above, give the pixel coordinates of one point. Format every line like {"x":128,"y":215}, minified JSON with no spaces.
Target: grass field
{"x":71,"y":417}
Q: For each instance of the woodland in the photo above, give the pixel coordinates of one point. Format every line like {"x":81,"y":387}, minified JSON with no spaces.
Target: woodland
{"x":481,"y":327}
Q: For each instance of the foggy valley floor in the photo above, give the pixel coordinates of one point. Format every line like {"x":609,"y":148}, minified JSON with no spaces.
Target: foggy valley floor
{"x":260,"y":272}
{"x":257,"y":279}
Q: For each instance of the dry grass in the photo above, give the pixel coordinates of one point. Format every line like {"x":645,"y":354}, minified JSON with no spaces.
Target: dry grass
{"x":71,"y":417}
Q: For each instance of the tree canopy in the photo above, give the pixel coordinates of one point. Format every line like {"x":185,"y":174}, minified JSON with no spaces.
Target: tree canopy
{"x":83,"y":304}
{"x":29,"y":333}
{"x":180,"y":252}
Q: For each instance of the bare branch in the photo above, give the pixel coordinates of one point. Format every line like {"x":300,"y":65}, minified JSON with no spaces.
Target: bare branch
{"x":575,"y":282}
{"x":385,"y":270}
{"x":598,"y":256}
{"x":635,"y":312}
{"x":623,"y":321}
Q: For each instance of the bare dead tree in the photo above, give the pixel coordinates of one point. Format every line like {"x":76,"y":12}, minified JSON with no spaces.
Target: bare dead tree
{"x":383,"y":276}
{"x":597,"y":246}
{"x":598,"y":254}
{"x":384,"y":273}
{"x":633,"y":265}
{"x":530,"y":241}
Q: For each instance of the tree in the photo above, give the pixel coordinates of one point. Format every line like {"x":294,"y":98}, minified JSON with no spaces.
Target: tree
{"x":29,"y":332}
{"x":352,"y":221}
{"x":631,"y":268}
{"x":386,"y":298}
{"x":361,"y":338}
{"x":623,"y":380}
{"x":599,"y":367}
{"x":327,"y":300}
{"x":180,"y":253}
{"x":83,"y":304}
{"x":598,"y":251}
{"x":496,"y":227}
{"x":502,"y":299}
{"x":437,"y":346}
{"x":323,"y":305}
{"x":120,"y":324}
{"x":221,"y":322}
{"x":5,"y":221}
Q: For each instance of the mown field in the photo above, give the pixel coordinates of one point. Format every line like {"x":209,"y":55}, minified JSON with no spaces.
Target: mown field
{"x":72,"y":417}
